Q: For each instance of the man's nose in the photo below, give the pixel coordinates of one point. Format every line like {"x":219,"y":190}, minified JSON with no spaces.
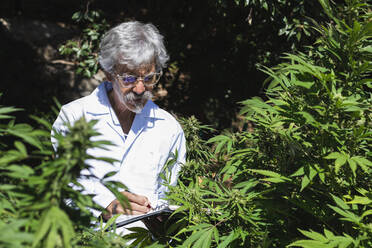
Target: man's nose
{"x":139,"y":88}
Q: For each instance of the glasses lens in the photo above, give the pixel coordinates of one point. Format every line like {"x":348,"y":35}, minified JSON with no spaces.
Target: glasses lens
{"x":129,"y":79}
{"x":149,"y":79}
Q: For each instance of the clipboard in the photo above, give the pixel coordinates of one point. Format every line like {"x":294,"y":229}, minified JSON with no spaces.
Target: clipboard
{"x":128,"y":219}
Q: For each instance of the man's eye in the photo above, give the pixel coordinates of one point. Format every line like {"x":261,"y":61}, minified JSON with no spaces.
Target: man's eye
{"x":130,"y":79}
{"x":149,"y":78}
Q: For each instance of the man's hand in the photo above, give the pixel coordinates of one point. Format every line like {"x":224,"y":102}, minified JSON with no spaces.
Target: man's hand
{"x":139,"y":204}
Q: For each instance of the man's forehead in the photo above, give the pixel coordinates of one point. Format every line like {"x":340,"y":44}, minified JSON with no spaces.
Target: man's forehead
{"x":141,"y":69}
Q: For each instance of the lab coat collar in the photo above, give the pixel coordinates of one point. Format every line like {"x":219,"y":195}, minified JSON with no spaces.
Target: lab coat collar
{"x":103,"y":106}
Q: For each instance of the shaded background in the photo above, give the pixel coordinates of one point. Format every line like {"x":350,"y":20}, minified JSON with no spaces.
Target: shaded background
{"x":214,"y":47}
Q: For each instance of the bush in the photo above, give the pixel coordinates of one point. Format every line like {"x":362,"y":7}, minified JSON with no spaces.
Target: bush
{"x":36,"y":190}
{"x":306,"y":165}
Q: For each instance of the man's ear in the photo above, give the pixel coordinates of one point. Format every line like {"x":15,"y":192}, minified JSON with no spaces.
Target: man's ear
{"x":108,"y":76}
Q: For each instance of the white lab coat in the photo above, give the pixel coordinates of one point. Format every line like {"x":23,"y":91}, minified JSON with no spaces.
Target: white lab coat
{"x":141,"y":155}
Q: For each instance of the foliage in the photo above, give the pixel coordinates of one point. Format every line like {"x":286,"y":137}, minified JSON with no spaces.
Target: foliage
{"x":349,"y":215}
{"x":210,"y":43}
{"x":307,"y":161}
{"x":41,"y":203}
{"x":294,"y":26}
{"x":198,"y":152}
{"x":83,"y":51}
{"x":301,"y":178}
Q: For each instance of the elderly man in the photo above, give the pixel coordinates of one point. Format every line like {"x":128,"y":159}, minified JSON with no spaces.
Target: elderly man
{"x":132,"y":56}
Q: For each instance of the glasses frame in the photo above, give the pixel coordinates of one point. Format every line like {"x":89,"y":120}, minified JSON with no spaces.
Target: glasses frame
{"x":138,"y":78}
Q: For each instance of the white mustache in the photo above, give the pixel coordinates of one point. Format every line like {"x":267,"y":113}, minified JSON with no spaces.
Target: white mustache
{"x":131,"y":96}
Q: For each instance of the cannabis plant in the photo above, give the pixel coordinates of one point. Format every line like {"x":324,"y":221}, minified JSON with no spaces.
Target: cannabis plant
{"x":310,"y":147}
{"x":39,"y":206}
{"x":305,"y":169}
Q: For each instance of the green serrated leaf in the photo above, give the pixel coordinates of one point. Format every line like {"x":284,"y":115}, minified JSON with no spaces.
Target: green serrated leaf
{"x":227,"y":240}
{"x":299,"y":172}
{"x":360,"y":200}
{"x":304,"y":182}
{"x":352,"y":165}
{"x":340,"y":161}
{"x":340,"y":202}
{"x":333,"y":155}
{"x":314,"y":235}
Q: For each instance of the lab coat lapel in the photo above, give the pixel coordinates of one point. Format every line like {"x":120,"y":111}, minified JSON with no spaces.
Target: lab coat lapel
{"x":138,"y":125}
{"x":140,"y":122}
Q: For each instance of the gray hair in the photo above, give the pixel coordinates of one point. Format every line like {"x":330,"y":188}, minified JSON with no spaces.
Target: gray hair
{"x":132,"y":44}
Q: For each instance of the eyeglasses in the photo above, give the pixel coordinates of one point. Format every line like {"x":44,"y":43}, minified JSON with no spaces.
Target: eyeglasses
{"x":129,"y":81}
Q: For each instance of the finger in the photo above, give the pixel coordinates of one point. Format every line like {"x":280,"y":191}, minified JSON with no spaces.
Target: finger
{"x":139,"y":199}
{"x":116,"y":208}
{"x":120,"y":210}
{"x":147,"y":203}
{"x":136,"y":207}
{"x":110,"y":210}
{"x":127,"y":211}
{"x":132,"y":212}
